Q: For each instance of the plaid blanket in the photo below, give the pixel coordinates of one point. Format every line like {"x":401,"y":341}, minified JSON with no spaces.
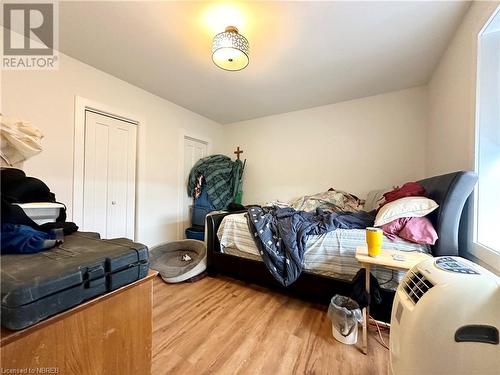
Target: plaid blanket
{"x":221,"y":176}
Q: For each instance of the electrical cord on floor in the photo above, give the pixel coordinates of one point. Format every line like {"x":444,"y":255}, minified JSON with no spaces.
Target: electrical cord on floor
{"x":388,"y":281}
{"x":383,"y":326}
{"x":381,"y":341}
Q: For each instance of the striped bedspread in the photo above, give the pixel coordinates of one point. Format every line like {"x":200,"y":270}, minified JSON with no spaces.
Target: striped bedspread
{"x":330,"y":254}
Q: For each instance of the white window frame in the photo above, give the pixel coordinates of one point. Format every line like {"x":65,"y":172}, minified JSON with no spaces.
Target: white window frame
{"x":486,"y":255}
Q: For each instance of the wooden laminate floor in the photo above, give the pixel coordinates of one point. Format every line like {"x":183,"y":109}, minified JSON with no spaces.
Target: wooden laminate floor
{"x":224,"y":326}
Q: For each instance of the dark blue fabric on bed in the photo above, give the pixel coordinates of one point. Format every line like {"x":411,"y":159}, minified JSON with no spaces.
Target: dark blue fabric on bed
{"x":280,"y":234}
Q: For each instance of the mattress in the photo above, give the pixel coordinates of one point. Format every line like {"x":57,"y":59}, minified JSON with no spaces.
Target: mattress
{"x":331,"y":254}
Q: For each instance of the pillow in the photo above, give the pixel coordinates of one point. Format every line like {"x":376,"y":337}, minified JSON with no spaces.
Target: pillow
{"x":405,"y":207}
{"x":392,"y":229}
{"x":419,"y":230}
{"x":414,"y":229}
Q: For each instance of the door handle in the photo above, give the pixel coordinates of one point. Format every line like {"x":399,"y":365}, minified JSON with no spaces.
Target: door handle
{"x":113,"y":202}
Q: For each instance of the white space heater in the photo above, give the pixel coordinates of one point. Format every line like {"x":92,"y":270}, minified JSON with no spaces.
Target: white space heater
{"x":445,"y":320}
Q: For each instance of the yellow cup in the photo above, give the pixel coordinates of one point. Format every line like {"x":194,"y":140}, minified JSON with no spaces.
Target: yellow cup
{"x":374,"y":238}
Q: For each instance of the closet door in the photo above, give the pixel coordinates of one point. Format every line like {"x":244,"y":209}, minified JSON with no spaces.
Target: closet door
{"x":109,"y":182}
{"x":194,"y":150}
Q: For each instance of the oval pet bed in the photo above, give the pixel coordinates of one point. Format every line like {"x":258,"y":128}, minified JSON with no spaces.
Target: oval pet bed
{"x":179,"y":260}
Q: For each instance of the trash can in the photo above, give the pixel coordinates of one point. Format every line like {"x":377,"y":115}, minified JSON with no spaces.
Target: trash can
{"x":345,"y":315}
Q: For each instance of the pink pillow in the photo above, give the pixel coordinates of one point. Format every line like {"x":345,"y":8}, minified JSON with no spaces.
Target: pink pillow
{"x":419,"y":230}
{"x":414,"y":229}
{"x":392,"y":228}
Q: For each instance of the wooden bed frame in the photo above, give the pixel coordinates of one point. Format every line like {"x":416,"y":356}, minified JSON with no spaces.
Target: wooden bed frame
{"x":450,"y":191}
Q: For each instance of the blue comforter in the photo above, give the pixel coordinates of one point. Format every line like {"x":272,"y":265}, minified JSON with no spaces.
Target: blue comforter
{"x":281,"y":234}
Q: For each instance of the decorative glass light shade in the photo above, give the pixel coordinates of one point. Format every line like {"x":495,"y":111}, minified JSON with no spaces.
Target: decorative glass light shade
{"x":230,"y":50}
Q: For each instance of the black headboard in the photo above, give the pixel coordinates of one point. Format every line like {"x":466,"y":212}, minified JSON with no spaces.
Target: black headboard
{"x":450,"y":191}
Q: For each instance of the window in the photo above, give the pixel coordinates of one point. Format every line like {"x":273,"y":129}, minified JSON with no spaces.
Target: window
{"x":487,"y":203}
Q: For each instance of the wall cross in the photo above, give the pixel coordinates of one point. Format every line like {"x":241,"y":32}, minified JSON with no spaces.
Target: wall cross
{"x":238,"y":152}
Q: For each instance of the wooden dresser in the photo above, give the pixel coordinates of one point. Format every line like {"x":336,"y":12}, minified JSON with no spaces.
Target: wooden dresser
{"x":110,"y":334}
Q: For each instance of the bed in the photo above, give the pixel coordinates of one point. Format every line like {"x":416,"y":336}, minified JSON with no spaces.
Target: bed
{"x":330,"y":254}
{"x":329,"y":263}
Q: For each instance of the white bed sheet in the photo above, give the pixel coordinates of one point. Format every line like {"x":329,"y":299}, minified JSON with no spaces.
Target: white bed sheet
{"x":330,"y":254}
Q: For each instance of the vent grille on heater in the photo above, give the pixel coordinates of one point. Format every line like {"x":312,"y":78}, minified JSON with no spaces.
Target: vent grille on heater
{"x":416,"y":285}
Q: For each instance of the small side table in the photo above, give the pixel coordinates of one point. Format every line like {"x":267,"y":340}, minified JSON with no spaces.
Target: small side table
{"x":385,"y":259}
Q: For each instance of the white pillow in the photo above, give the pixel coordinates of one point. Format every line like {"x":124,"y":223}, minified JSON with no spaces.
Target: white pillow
{"x":405,"y":207}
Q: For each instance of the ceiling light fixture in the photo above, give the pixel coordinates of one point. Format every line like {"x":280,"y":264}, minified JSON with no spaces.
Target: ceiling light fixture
{"x":230,"y":50}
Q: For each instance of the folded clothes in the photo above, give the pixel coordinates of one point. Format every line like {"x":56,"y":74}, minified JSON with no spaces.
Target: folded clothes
{"x":22,"y":239}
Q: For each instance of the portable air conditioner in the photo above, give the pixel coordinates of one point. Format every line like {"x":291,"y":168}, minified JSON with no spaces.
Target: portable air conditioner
{"x":445,"y":320}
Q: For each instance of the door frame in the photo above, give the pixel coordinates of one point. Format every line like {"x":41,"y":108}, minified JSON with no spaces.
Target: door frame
{"x":185,"y":134}
{"x":81,"y":105}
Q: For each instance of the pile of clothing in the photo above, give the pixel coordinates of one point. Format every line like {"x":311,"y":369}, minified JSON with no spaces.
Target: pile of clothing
{"x":220,"y":176}
{"x":20,"y":234}
{"x":331,"y":200}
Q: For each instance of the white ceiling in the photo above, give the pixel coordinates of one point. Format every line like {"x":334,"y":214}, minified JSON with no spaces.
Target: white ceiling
{"x":303,"y":54}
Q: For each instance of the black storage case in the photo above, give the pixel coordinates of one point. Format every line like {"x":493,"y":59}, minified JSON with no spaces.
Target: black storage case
{"x":36,"y":286}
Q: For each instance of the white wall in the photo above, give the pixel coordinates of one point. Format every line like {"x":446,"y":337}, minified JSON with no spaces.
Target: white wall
{"x":452,"y":110}
{"x":47,"y":100}
{"x":452,"y":97}
{"x":357,"y":146}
